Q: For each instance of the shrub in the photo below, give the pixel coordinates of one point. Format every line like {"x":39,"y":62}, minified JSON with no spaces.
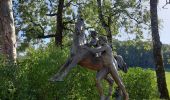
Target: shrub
{"x":7,"y":79}
{"x":29,"y":79}
{"x":140,"y":83}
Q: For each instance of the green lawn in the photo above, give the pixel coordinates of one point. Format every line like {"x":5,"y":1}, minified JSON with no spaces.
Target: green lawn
{"x":168,"y":80}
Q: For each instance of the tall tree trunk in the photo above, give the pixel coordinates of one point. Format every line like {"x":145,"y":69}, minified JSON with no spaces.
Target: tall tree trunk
{"x":157,"y":45}
{"x":59,"y":30}
{"x":105,"y":25}
{"x":7,"y":30}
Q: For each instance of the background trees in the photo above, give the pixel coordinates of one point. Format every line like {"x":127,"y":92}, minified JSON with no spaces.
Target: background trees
{"x":39,"y":19}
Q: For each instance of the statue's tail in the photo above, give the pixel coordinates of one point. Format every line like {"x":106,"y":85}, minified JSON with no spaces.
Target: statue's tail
{"x":121,"y":63}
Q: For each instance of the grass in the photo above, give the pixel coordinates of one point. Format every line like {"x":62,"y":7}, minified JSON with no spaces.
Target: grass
{"x":168,"y":80}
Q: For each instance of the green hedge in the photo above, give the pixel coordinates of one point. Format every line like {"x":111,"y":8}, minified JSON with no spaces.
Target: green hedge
{"x":28,"y":80}
{"x":140,"y":83}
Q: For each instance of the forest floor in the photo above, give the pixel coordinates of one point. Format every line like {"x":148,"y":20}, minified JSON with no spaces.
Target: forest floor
{"x":168,"y":80}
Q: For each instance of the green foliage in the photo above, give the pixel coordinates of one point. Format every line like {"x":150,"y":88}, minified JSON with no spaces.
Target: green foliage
{"x":140,"y":83}
{"x":130,"y":15}
{"x":8,"y":79}
{"x":28,"y":80}
{"x":32,"y":20}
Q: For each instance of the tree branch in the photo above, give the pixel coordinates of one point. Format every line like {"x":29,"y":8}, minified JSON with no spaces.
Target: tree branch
{"x":68,"y":4}
{"x":36,"y":24}
{"x":124,"y":11}
{"x":54,"y":14}
{"x":67,"y":22}
{"x":68,"y":29}
{"x":90,"y":27}
{"x":167,"y":2}
{"x":46,"y":36}
{"x":101,"y":14}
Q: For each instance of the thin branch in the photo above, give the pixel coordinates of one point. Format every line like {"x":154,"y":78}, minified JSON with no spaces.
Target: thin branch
{"x":77,"y":4}
{"x":36,"y":24}
{"x":66,"y":28}
{"x":80,"y":3}
{"x":46,"y":36}
{"x":90,"y":27}
{"x":74,"y":5}
{"x":43,"y":31}
{"x":51,"y":5}
{"x":68,"y":4}
{"x":101,"y":14}
{"x":54,"y":14}
{"x":115,"y":12}
{"x":68,"y":22}
{"x":139,"y":22}
{"x":116,"y":17}
{"x":167,"y":2}
{"x":109,"y":20}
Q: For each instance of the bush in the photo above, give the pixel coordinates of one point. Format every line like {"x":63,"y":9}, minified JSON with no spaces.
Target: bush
{"x":140,"y":83}
{"x":7,"y":79}
{"x":28,"y":80}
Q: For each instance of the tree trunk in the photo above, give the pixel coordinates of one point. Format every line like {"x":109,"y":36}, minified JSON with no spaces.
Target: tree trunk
{"x":105,"y":25}
{"x":160,"y":72}
{"x":7,"y":30}
{"x":59,"y":30}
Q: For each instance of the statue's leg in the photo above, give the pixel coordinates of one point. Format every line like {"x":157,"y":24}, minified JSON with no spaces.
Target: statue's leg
{"x":68,"y":66}
{"x":69,"y":60}
{"x":100,"y":75}
{"x":118,"y":94}
{"x":63,"y":67}
{"x":110,"y":81}
{"x":64,"y":72}
{"x":117,"y":79}
{"x":116,"y":64}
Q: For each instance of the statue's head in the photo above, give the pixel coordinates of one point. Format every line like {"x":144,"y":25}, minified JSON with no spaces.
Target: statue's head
{"x":102,"y":40}
{"x":93,"y":34}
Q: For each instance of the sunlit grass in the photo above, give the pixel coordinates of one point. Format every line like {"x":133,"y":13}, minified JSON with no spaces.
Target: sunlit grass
{"x":168,"y":80}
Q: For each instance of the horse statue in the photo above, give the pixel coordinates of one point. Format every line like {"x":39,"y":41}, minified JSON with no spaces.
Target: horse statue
{"x":87,"y":59}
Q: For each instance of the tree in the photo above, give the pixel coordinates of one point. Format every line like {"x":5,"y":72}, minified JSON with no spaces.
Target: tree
{"x":109,"y":17}
{"x":60,"y":28}
{"x":40,"y":19}
{"x":106,"y":26}
{"x":157,"y":45}
{"x":7,"y":30}
{"x":59,"y":24}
